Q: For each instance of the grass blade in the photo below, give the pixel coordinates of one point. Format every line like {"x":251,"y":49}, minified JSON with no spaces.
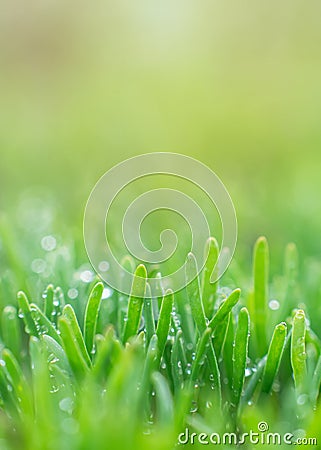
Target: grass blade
{"x":10,"y":330}
{"x":209,"y":289}
{"x":70,"y":314}
{"x":135,"y":305}
{"x":43,"y":323}
{"x":19,"y":382}
{"x":240,"y":355}
{"x":260,"y":297}
{"x":274,"y":356}
{"x":149,"y":315}
{"x":298,"y":354}
{"x":25,"y":312}
{"x":91,"y":315}
{"x":194,"y":293}
{"x":224,"y":309}
{"x":71,"y":347}
{"x":164,"y":321}
{"x":164,"y":400}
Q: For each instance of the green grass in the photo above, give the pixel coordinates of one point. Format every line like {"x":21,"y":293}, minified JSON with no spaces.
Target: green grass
{"x":133,"y":372}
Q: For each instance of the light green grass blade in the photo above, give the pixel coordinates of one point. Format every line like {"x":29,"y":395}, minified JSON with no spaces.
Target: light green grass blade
{"x":25,"y":312}
{"x":19,"y":383}
{"x":43,"y":324}
{"x":209,"y":289}
{"x":254,"y":382}
{"x":177,"y":363}
{"x":164,"y":321}
{"x":260,"y":296}
{"x":57,"y":351}
{"x":10,"y":330}
{"x":70,"y":314}
{"x":224,"y":309}
{"x":200,"y":354}
{"x":49,"y":299}
{"x":316,"y":382}
{"x":194,"y":293}
{"x":240,"y":355}
{"x":274,"y":357}
{"x":148,"y":315}
{"x":135,"y":305}
{"x":164,"y":400}
{"x":219,"y":336}
{"x":70,"y":345}
{"x":91,"y":315}
{"x":195,"y":301}
{"x":298,"y":352}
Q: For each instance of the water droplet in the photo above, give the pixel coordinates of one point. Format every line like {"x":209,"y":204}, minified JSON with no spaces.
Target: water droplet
{"x":87,"y":276}
{"x":302,"y":399}
{"x":48,"y":243}
{"x":38,"y":265}
{"x":107,"y":293}
{"x":66,"y":405}
{"x":72,"y":293}
{"x":103,"y":266}
{"x":209,"y":405}
{"x":274,"y":305}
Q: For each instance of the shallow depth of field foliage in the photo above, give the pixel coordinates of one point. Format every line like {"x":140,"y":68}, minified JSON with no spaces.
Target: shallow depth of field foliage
{"x":85,"y":86}
{"x":84,"y":367}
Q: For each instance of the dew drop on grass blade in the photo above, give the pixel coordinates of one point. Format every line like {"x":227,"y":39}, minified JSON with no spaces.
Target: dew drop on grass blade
{"x":135,"y":304}
{"x":91,"y":315}
{"x":274,"y":357}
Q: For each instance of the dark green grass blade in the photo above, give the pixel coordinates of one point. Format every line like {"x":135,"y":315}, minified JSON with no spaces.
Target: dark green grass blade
{"x":135,"y":305}
{"x":43,"y":323}
{"x":224,"y":309}
{"x":70,"y":345}
{"x":25,"y":311}
{"x":219,"y":336}
{"x":228,"y":351}
{"x":254,"y":382}
{"x":260,"y":298}
{"x":91,"y":315}
{"x":240,"y":355}
{"x":70,"y":314}
{"x":274,"y":356}
{"x":10,"y":330}
{"x":209,"y":289}
{"x":164,"y":321}
{"x":19,"y":383}
{"x":298,"y":352}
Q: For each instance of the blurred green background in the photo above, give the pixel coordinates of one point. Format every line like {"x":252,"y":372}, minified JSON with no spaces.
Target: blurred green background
{"x":237,"y":85}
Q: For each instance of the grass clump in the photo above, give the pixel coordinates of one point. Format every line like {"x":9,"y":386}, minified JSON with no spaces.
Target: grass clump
{"x":134,"y":372}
